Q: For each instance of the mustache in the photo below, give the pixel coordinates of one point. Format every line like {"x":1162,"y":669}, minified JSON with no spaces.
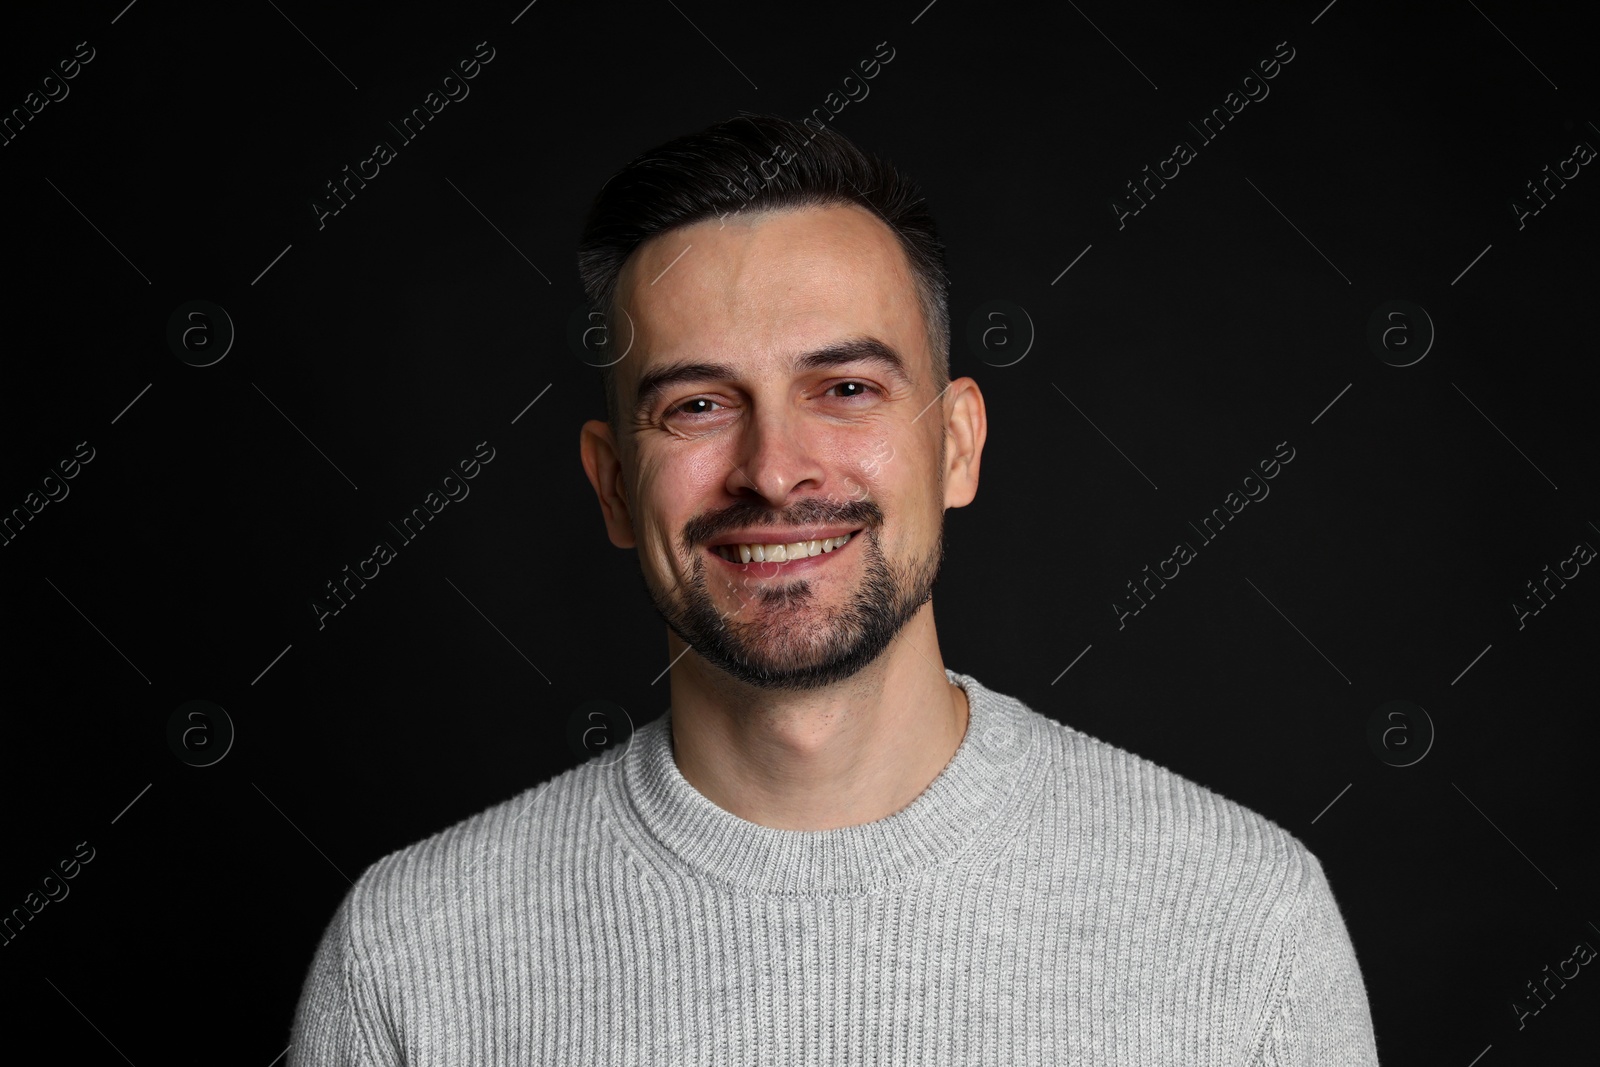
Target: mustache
{"x":704,"y":529}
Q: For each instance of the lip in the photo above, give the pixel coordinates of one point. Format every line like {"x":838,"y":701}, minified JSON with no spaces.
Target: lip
{"x":787,"y":567}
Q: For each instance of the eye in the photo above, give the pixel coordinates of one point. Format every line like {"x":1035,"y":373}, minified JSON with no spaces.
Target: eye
{"x":678,"y":409}
{"x":863,"y":385}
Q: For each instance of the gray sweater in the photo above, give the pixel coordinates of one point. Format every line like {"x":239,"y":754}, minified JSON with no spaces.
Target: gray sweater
{"x":1048,"y":899}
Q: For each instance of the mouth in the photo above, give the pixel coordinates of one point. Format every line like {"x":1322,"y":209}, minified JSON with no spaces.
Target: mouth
{"x":768,"y":566}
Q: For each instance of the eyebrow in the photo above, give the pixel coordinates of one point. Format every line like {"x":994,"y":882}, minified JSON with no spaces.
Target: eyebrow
{"x":854,"y":350}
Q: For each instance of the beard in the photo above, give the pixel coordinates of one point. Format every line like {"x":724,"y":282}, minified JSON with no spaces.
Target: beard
{"x":791,"y":642}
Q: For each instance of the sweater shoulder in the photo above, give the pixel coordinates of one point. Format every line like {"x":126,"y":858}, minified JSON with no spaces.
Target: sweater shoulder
{"x":1173,"y":828}
{"x":491,"y":853}
{"x":431,"y":911}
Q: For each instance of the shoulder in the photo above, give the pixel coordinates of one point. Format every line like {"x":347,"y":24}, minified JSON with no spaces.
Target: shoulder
{"x":475,"y":869}
{"x":1192,"y":899}
{"x":426,"y":917}
{"x":1170,"y":832}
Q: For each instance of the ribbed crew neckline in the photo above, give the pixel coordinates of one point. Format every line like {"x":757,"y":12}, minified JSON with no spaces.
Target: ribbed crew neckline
{"x":1000,"y":758}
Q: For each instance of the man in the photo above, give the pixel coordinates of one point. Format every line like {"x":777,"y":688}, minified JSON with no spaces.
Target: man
{"x":831,"y":849}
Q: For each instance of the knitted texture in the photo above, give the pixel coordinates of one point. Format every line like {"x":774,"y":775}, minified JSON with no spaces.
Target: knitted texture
{"x":1048,"y":899}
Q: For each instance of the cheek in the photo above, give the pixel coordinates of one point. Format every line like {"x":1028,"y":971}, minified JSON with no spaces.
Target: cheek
{"x":662,"y":534}
{"x":667,"y":500}
{"x":682,"y":474}
{"x":909,"y":489}
{"x":700,"y":472}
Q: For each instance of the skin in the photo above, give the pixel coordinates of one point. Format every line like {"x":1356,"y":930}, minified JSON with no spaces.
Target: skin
{"x":818,"y":700}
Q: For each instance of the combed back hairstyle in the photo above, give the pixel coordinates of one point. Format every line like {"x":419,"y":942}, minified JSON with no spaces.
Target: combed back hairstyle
{"x":756,"y":163}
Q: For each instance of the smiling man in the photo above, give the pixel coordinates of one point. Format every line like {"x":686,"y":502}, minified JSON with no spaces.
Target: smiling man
{"x":831,"y":848}
{"x":787,"y":453}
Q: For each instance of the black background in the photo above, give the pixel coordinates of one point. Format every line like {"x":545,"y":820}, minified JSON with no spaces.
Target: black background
{"x":378,"y":350}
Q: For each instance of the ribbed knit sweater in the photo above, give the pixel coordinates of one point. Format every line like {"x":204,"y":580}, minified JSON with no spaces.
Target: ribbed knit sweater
{"x":1047,"y":899}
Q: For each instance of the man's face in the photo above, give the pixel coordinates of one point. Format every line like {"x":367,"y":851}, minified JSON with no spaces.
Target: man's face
{"x":767,"y":448}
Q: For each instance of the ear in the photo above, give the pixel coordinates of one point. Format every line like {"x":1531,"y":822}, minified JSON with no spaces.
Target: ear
{"x":602,"y":462}
{"x":966,"y":426}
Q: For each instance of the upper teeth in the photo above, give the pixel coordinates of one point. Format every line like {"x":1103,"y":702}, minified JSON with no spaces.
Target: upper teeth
{"x":780,"y":553}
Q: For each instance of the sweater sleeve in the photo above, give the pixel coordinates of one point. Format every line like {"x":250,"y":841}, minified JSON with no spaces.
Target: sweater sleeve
{"x":1322,"y":1018}
{"x":334,"y":1021}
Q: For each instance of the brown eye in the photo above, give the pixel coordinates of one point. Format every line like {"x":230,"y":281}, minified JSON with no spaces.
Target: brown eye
{"x":682,"y":409}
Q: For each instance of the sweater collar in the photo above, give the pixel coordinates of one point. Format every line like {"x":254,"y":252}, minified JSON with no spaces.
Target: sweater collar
{"x":997,"y":767}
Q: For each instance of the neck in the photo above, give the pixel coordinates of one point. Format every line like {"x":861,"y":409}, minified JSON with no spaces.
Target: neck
{"x":819,"y":759}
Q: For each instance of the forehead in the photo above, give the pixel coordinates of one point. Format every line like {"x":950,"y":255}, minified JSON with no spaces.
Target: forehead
{"x":753,"y":289}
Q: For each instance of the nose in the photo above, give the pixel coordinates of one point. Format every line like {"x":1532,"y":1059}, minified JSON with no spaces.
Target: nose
{"x":775,"y":456}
